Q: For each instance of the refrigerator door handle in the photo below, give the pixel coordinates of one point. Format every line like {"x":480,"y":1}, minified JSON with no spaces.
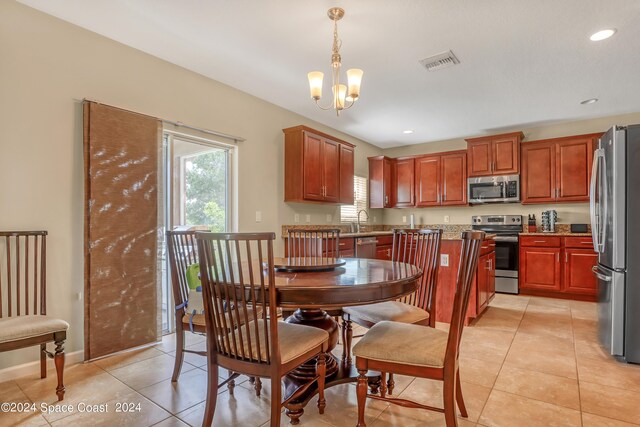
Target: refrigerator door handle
{"x":605,"y":198}
{"x":595,"y":223}
{"x":600,"y":276}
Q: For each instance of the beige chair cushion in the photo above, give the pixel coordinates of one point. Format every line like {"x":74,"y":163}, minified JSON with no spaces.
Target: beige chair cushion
{"x":403,"y":343}
{"x":295,"y":340}
{"x":21,"y":327}
{"x":394,"y":311}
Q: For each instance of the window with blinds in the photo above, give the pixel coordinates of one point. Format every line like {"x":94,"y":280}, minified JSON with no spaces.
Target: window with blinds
{"x":349,"y":213}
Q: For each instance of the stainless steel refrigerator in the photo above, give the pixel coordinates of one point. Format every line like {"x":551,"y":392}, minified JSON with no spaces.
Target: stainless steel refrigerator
{"x":615,"y":224}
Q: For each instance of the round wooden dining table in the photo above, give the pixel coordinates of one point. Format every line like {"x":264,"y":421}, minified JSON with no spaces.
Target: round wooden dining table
{"x":311,"y":293}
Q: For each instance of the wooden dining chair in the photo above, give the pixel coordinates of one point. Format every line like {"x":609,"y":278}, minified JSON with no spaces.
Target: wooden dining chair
{"x":23,"y":300}
{"x":414,"y":350}
{"x":412,"y":246}
{"x":238,"y":271}
{"x":313,"y":243}
{"x":310,"y":243}
{"x":189,"y":305}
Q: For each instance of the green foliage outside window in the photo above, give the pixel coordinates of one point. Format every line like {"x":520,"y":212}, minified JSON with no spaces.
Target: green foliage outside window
{"x":206,"y":184}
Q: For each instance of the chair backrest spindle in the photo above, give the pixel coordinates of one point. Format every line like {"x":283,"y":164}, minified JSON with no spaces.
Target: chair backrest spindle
{"x":313,"y":243}
{"x":22,"y":273}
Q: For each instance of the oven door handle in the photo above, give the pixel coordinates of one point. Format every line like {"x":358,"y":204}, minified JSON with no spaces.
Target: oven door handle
{"x":506,"y":239}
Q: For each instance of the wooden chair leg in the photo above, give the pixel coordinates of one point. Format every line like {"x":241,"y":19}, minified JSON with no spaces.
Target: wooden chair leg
{"x":383,"y":384}
{"x":449,"y":391}
{"x":58,"y":360}
{"x":43,"y":360}
{"x":321,"y":372}
{"x":459,"y":398}
{"x":391,"y":383}
{"x":348,"y":337}
{"x":231,"y":384}
{"x":212,"y":395}
{"x":361,"y":391}
{"x":276,"y":401}
{"x":177,"y":366}
{"x":258,"y":386}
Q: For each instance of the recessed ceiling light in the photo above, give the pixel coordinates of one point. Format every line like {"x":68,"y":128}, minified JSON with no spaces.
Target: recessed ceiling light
{"x":603,"y":34}
{"x":589,"y":101}
{"x":407,"y":132}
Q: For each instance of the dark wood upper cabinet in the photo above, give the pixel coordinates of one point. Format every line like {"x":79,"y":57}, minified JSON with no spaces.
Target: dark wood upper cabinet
{"x":318,"y":167}
{"x":346,"y":174}
{"x":427,"y":181}
{"x":557,"y":170}
{"x":454,"y":178}
{"x":403,"y":178}
{"x":538,"y":181}
{"x":312,"y":152}
{"x":494,"y":154}
{"x":441,"y":179}
{"x":573,"y":168}
{"x":380,"y":172}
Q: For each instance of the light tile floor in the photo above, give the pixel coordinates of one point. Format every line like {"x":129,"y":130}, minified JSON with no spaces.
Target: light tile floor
{"x":527,"y":362}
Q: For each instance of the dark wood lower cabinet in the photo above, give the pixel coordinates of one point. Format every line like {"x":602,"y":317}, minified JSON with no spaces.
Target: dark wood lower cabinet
{"x":558,"y":267}
{"x":540,"y":269}
{"x":578,"y":277}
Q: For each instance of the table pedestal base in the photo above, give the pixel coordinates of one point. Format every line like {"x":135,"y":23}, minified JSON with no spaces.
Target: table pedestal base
{"x":337,"y":372}
{"x":318,"y":319}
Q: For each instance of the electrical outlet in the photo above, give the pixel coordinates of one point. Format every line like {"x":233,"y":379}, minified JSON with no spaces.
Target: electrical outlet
{"x":329,"y":218}
{"x":404,"y":218}
{"x":296,"y":218}
{"x":444,"y":260}
{"x":79,"y":296}
{"x":375,"y":218}
{"x":258,"y":216}
{"x":308,"y":218}
{"x":446,"y":219}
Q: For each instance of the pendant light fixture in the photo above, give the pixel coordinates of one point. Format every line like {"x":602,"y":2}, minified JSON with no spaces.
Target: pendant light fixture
{"x":344,"y":96}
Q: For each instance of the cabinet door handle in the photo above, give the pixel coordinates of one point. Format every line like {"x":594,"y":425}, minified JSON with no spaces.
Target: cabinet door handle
{"x":566,"y":257}
{"x":539,"y":241}
{"x":558,"y":256}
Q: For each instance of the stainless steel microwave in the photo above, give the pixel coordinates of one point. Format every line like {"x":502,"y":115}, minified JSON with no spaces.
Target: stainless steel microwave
{"x":494,"y":189}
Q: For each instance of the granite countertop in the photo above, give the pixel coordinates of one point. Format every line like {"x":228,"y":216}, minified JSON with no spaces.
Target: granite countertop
{"x":558,"y":234}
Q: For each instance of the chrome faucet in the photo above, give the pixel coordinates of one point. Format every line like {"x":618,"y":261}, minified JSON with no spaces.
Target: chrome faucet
{"x":366,"y":214}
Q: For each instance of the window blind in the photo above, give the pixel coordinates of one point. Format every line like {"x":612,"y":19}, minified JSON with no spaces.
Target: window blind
{"x":349,"y":213}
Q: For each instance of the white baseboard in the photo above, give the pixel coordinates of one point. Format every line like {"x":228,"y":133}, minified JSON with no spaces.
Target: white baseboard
{"x":13,"y":372}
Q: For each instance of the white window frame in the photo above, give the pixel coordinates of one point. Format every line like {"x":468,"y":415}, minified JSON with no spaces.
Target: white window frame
{"x":349,"y":213}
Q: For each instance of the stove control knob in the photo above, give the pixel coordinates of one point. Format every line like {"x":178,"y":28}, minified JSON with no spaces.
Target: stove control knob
{"x":513,"y":219}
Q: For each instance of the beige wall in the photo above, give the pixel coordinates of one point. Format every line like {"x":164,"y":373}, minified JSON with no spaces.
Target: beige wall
{"x":567,"y":212}
{"x":47,"y":66}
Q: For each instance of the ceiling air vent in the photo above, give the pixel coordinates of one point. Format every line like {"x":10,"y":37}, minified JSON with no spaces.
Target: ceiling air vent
{"x":437,"y":62}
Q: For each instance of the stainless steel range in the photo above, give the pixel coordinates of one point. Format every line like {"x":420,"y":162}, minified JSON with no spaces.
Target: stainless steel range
{"x":506,"y":229}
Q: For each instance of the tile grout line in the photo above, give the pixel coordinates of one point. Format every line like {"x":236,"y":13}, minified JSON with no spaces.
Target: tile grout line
{"x":524,"y":311}
{"x":575,"y":354}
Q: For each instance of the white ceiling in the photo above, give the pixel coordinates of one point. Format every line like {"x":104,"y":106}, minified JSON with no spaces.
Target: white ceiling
{"x":523,"y":63}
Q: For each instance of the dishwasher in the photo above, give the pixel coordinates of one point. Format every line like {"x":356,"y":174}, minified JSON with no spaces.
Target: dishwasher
{"x":366,"y":247}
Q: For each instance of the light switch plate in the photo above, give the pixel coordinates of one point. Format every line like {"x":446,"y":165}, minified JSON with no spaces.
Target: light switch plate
{"x":296,"y":218}
{"x":446,"y":218}
{"x":258,"y":216}
{"x":329,"y":218}
{"x":444,"y":260}
{"x":375,"y":218}
{"x":308,"y":218}
{"x":404,"y":218}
